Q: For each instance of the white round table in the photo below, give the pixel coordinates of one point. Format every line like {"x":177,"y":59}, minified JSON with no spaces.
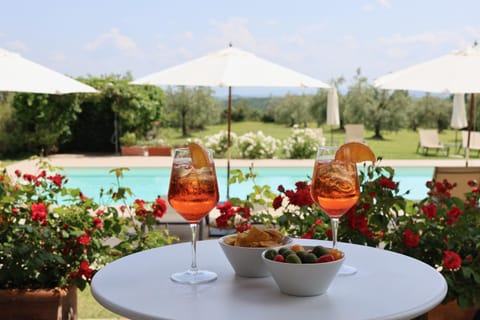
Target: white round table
{"x":387,"y":286}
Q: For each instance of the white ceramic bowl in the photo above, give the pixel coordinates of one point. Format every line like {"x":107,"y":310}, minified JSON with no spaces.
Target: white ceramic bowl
{"x":246,"y":261}
{"x":306,"y":279}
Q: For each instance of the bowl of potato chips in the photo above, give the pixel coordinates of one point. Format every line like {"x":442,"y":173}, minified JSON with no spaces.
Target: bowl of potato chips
{"x":244,"y":250}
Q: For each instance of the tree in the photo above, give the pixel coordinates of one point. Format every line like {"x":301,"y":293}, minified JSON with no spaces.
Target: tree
{"x":291,"y":109}
{"x":119,"y":107}
{"x":433,"y":112}
{"x":43,"y":121}
{"x":375,"y":108}
{"x":191,"y":108}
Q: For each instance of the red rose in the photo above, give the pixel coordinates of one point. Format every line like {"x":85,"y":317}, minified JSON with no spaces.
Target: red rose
{"x":85,"y":239}
{"x":453,"y":215}
{"x":225,"y":207}
{"x":451,"y":260}
{"x":39,"y":212}
{"x":98,"y":222}
{"x":56,"y":179}
{"x":329,"y":233}
{"x":159,"y":208}
{"x":387,"y":183}
{"x":277,"y":202}
{"x":410,"y":239}
{"x":430,"y":210}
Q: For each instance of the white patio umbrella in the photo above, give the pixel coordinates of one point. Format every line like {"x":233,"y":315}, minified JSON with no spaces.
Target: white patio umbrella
{"x":459,"y":117}
{"x":230,"y":67}
{"x":333,"y":113}
{"x":457,"y":72}
{"x":18,"y":74}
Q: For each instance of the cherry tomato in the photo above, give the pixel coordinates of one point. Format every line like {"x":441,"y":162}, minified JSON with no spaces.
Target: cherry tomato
{"x":279,"y":258}
{"x":326,"y":258}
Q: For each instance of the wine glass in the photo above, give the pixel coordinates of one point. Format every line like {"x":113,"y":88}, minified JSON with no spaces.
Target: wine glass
{"x":335,"y":188}
{"x":193,"y":192}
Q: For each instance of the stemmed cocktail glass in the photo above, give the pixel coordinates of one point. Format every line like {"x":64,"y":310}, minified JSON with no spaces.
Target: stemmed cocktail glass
{"x":335,"y":188}
{"x":193,"y":192}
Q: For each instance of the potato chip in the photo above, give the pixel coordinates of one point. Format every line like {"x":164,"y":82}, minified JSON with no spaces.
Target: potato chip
{"x":256,"y":237}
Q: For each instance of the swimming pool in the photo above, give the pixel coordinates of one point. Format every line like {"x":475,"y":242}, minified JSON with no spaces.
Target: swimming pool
{"x":148,"y":183}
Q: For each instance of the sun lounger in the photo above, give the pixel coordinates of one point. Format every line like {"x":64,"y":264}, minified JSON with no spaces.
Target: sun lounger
{"x":474,"y":141}
{"x":458,"y":175}
{"x":355,"y":133}
{"x":429,"y":139}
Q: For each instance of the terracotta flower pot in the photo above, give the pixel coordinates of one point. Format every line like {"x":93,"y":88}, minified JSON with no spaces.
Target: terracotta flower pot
{"x":134,"y":151}
{"x":164,"y":151}
{"x":41,"y":304}
{"x":450,"y":311}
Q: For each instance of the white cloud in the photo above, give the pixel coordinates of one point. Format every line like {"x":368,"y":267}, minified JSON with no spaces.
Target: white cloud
{"x":115,"y":38}
{"x":384,"y":4}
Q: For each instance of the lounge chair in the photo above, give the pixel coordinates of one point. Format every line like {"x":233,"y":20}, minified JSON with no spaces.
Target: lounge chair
{"x":355,"y":133}
{"x":458,"y":175}
{"x":429,"y":140}
{"x":474,"y":141}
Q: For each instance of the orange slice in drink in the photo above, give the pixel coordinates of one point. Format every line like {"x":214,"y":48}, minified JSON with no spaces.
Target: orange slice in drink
{"x":355,"y":152}
{"x":199,"y":155}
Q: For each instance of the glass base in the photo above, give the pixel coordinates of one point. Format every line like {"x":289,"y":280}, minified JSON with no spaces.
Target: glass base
{"x":346,"y":270}
{"x":194,"y":277}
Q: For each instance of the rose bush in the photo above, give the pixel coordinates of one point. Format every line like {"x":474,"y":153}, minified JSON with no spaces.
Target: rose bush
{"x":54,"y":236}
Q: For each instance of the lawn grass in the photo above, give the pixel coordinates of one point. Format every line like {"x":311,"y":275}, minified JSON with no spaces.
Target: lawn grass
{"x":89,"y":308}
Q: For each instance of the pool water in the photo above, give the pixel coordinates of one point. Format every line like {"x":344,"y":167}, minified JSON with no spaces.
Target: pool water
{"x":148,"y":183}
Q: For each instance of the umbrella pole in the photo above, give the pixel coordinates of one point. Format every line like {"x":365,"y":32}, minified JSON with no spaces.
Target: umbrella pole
{"x":331,"y":135}
{"x":470,"y":119}
{"x":229,"y":129}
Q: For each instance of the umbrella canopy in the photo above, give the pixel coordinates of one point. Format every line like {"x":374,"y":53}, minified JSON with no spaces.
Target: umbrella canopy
{"x":231,"y":67}
{"x":456,"y":72}
{"x":459,"y":117}
{"x":18,"y":74}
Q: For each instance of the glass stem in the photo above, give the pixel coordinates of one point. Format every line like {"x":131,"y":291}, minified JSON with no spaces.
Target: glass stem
{"x":334,"y":231}
{"x":194,"y":227}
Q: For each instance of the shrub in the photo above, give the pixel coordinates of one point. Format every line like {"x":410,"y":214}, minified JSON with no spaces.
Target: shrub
{"x":257,"y":146}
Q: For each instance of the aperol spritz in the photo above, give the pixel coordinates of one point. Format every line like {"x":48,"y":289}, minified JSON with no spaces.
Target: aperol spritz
{"x":193,"y":192}
{"x":335,"y":188}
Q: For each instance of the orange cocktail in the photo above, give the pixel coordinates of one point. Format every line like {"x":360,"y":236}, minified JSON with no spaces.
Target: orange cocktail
{"x":193,"y":192}
{"x":335,"y":186}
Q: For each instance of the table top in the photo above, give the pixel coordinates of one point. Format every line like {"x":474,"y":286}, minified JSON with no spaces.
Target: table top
{"x":387,"y":285}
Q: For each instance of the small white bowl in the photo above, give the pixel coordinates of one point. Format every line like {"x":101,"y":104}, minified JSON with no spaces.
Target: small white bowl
{"x":246,"y":261}
{"x":306,"y":279}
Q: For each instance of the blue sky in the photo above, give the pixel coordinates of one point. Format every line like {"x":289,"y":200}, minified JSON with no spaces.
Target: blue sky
{"x":324,"y":39}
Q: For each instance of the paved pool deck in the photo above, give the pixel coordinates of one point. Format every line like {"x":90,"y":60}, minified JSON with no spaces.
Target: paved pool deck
{"x":115,"y":161}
